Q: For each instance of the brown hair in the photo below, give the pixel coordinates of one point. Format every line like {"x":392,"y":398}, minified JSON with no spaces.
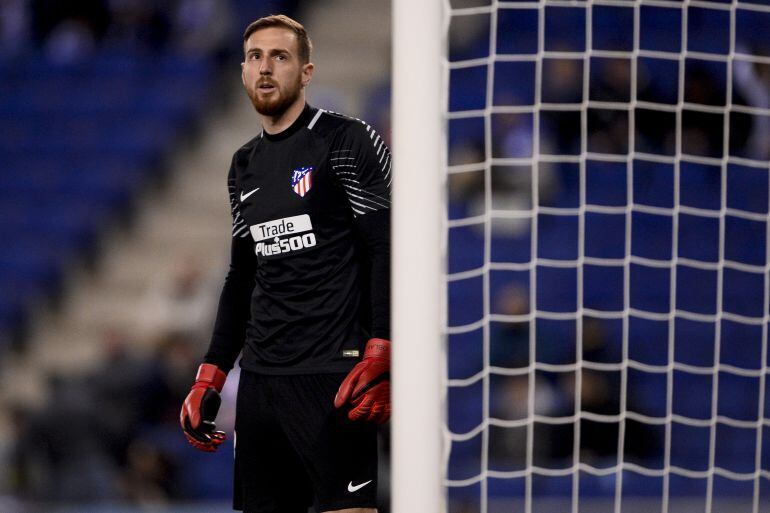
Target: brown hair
{"x":283,"y":21}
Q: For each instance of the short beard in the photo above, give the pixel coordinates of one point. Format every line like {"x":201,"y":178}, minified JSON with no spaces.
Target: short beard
{"x":276,"y":105}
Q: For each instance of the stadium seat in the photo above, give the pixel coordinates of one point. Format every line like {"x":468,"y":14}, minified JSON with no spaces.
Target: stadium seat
{"x":77,"y":142}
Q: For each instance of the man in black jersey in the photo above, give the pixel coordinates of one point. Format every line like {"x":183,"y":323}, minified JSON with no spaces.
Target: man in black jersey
{"x":306,"y":299}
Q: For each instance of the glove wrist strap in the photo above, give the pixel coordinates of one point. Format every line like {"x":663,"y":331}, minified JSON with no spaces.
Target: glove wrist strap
{"x":211,"y":375}
{"x":377,"y":348}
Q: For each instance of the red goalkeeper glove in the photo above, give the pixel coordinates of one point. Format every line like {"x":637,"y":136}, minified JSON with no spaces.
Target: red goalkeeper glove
{"x":200,"y":409}
{"x":367,"y":387}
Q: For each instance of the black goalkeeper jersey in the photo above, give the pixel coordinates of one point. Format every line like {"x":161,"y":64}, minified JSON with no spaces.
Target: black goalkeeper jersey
{"x":309,"y":276}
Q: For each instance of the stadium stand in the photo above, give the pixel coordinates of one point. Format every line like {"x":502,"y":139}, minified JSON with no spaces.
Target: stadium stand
{"x":78,"y":142}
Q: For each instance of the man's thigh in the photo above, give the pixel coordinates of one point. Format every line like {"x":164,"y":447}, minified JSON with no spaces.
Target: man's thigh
{"x":339,"y":456}
{"x":269,"y":475}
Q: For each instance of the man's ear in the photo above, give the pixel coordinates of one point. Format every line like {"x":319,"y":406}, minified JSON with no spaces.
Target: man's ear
{"x":307,"y":73}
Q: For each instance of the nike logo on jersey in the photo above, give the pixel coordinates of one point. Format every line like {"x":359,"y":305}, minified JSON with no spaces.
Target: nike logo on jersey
{"x":355,"y":488}
{"x":244,"y":196}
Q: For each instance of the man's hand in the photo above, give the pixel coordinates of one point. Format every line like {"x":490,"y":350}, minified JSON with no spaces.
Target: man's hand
{"x":367,"y":387}
{"x":200,"y":409}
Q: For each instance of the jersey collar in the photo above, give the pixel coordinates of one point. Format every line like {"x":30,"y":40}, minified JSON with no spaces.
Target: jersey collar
{"x":302,"y":121}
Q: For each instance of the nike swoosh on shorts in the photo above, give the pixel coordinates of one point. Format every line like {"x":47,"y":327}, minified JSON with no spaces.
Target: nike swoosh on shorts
{"x":355,"y":488}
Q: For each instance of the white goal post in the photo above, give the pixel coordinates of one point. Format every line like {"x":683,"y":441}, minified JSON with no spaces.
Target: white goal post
{"x":418,"y":270}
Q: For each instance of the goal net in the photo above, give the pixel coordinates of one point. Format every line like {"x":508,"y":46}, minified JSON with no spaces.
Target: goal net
{"x":607,"y":269}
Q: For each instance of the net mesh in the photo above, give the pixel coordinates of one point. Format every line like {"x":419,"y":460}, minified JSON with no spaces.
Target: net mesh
{"x":608,"y":267}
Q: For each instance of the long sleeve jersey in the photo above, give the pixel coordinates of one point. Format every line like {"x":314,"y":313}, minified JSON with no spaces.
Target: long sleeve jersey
{"x":309,"y":274}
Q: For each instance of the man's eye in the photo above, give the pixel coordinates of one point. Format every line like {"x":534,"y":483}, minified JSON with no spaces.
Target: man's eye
{"x":281,"y":57}
{"x":254,"y":56}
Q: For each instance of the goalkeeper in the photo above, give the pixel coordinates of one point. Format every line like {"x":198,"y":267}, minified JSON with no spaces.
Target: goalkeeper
{"x":306,"y":298}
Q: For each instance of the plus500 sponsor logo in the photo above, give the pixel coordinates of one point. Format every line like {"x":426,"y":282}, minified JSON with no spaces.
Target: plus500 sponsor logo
{"x":285,"y":245}
{"x":278,"y":236}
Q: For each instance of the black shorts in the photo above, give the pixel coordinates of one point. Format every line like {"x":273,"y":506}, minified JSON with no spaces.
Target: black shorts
{"x":293,"y":449}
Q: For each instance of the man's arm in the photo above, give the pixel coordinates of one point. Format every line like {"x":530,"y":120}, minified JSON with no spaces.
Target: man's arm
{"x":200,"y":408}
{"x":361,"y":162}
{"x":234,"y":306}
{"x":235,"y":301}
{"x":374,"y":230}
{"x":362,"y":165}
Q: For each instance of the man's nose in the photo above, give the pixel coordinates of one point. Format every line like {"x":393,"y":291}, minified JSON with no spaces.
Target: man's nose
{"x":265,"y":67}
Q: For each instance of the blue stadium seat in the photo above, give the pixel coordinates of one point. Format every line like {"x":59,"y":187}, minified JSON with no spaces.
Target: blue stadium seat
{"x":76,"y":143}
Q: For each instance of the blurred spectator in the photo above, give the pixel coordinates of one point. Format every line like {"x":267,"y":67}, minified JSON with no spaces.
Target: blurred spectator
{"x":509,"y":349}
{"x":72,"y":31}
{"x":182,"y":302}
{"x":511,"y":185}
{"x":510,"y":401}
{"x":15,"y":27}
{"x":69,"y":31}
{"x":60,"y":456}
{"x":121,"y":392}
{"x":752,"y":81}
{"x":48,"y":14}
{"x":72,"y":40}
{"x":175,"y":359}
{"x":562,"y":79}
{"x":516,"y":139}
{"x":85,"y":443}
{"x":655,"y":130}
{"x":17,"y":473}
{"x":610,"y":80}
{"x":509,"y":341}
{"x":608,"y":128}
{"x":202,"y":26}
{"x":141,"y":25}
{"x":468,"y":37}
{"x":600,"y":395}
{"x":562,"y":84}
{"x":148,"y":478}
{"x":702,"y":131}
{"x":554,"y":397}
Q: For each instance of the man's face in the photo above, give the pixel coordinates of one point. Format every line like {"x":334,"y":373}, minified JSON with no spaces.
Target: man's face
{"x":272,"y":72}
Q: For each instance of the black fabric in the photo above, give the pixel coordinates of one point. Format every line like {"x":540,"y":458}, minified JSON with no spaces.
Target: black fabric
{"x":233,"y":312}
{"x":318,"y":270}
{"x":301,"y":122}
{"x":294,"y":449}
{"x":374,"y":232}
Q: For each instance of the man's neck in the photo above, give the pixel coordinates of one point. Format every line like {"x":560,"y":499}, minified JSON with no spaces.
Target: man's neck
{"x":275,"y":125}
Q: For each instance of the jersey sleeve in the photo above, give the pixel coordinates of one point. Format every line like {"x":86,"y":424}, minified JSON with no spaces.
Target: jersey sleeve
{"x":234,"y":309}
{"x":240,"y":228}
{"x":360,"y":160}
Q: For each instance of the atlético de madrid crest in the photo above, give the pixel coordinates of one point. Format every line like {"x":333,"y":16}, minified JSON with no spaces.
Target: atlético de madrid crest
{"x":301,"y":180}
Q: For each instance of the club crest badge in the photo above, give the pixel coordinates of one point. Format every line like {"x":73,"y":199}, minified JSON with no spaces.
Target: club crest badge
{"x":301,"y":180}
